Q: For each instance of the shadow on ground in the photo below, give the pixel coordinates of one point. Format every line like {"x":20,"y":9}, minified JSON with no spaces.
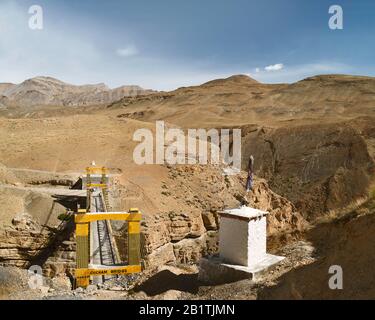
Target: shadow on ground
{"x":167,"y":280}
{"x":348,"y":242}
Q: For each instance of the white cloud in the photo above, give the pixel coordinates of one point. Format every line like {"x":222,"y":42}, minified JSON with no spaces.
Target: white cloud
{"x":257,"y":70}
{"x":299,"y":72}
{"x":274,"y":67}
{"x":128,"y":51}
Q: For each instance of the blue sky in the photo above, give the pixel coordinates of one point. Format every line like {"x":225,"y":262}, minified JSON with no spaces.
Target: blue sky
{"x":166,"y":44}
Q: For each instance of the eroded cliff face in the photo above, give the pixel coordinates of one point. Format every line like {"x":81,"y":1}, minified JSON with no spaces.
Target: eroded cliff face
{"x":190,"y":231}
{"x":21,"y":241}
{"x":25,"y":243}
{"x":318,"y":167}
{"x":30,"y":231}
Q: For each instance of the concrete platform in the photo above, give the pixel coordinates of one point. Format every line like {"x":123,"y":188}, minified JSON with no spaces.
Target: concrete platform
{"x":214,"y":270}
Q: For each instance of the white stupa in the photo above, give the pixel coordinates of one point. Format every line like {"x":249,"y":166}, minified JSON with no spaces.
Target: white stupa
{"x":242,"y":247}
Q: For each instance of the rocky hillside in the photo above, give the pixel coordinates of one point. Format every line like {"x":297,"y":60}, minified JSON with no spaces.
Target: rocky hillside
{"x":179,"y":203}
{"x":188,"y":230}
{"x":242,"y":100}
{"x":347,"y":242}
{"x":42,"y":91}
{"x":180,"y":215}
{"x":313,"y":140}
{"x":319,"y":167}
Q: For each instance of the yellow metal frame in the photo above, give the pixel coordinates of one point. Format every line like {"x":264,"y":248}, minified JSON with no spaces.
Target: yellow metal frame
{"x":96,"y":170}
{"x":117,"y":216}
{"x":83,"y":219}
{"x":82,"y":229}
{"x":85,"y":273}
{"x":96,"y":185}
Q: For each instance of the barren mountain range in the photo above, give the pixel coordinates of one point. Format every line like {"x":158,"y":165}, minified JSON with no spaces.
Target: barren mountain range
{"x":42,"y":91}
{"x":313,"y":142}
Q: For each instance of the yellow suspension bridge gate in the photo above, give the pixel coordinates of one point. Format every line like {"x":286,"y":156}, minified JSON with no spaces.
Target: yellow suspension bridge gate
{"x":97,"y":254}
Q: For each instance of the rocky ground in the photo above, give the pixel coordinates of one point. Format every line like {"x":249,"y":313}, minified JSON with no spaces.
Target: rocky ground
{"x":302,"y":275}
{"x":168,"y":282}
